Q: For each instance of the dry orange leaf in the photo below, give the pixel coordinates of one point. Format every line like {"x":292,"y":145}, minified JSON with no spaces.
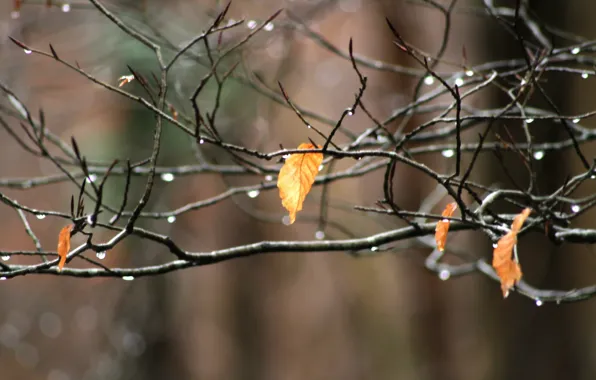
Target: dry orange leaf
{"x":443,"y":226}
{"x":64,"y":244}
{"x":296,"y":178}
{"x":507,"y":269}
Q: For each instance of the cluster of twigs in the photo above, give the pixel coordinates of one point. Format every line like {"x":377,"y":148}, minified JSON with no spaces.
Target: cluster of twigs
{"x":373,"y":148}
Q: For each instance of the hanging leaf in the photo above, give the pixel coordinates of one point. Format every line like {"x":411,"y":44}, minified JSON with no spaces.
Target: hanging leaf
{"x":64,"y":244}
{"x":507,"y":269}
{"x":296,"y":178}
{"x":443,"y":226}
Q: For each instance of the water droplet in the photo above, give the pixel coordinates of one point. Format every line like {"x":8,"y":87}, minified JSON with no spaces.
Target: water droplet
{"x":539,"y":303}
{"x":539,"y":155}
{"x":575,"y":208}
{"x":128,"y":278}
{"x":201,"y":141}
{"x":529,"y":120}
{"x":268,"y":27}
{"x":285,"y":156}
{"x":253,"y":193}
{"x":320,"y":235}
{"x":350,"y":111}
{"x":286,"y":220}
{"x":65,"y":8}
{"x":101,"y":255}
{"x":91,"y":178}
{"x":321,"y":167}
{"x":429,"y":80}
{"x":171,"y":219}
{"x":268,"y":177}
{"x":27,"y":51}
{"x":5,"y":258}
{"x":575,"y":121}
{"x":167,"y":177}
{"x":575,"y":50}
{"x":15,"y":15}
{"x":2,"y":278}
{"x":495,"y":245}
{"x":41,"y":216}
{"x":470,"y":73}
{"x":374,"y":249}
{"x":444,"y":275}
{"x":309,"y":126}
{"x":459,"y":82}
{"x":585,"y":75}
{"x":448,"y":153}
{"x":523,"y":82}
{"x":251,"y":24}
{"x":381,"y":139}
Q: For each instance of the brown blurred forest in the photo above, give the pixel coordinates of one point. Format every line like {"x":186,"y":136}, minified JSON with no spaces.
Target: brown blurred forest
{"x":279,"y":316}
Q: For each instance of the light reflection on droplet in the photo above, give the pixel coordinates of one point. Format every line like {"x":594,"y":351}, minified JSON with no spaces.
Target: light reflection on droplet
{"x":167,"y":177}
{"x":201,"y":141}
{"x":101,"y":255}
{"x":575,"y":50}
{"x":429,"y":80}
{"x":320,"y":235}
{"x":91,"y":178}
{"x":3,"y":278}
{"x":539,"y":303}
{"x":27,"y":51}
{"x":269,"y":26}
{"x":65,"y":8}
{"x":5,"y":258}
{"x":321,"y":167}
{"x":374,"y":249}
{"x":253,"y":193}
{"x":575,"y":208}
{"x":171,"y":219}
{"x":448,"y":153}
{"x":575,"y":121}
{"x":470,"y":73}
{"x":459,"y":82}
{"x":585,"y":75}
{"x":495,"y":245}
{"x":444,"y":275}
{"x":309,"y":126}
{"x":529,"y":120}
{"x":251,"y":24}
{"x":349,"y":111}
{"x":539,"y":155}
{"x":128,"y":278}
{"x":286,"y":220}
{"x":40,"y":216}
{"x":268,"y":177}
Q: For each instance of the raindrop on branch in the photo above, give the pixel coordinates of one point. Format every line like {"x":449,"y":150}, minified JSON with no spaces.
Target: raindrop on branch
{"x":429,"y":80}
{"x":320,"y":235}
{"x":167,"y":177}
{"x":27,"y":51}
{"x":128,"y":278}
{"x":459,"y":82}
{"x":201,"y":142}
{"x":251,"y":24}
{"x":101,"y":255}
{"x":575,"y":121}
{"x":529,"y":120}
{"x":448,"y":153}
{"x":5,"y":258}
{"x":575,"y":50}
{"x":268,"y":177}
{"x":268,"y":27}
{"x":253,"y":193}
{"x":374,"y":249}
{"x":539,"y":303}
{"x":286,"y":220}
{"x":41,"y":216}
{"x":65,"y":8}
{"x":470,"y":73}
{"x":171,"y":219}
{"x":444,"y":275}
{"x":91,"y":178}
{"x":575,"y":208}
{"x":539,"y":155}
{"x":585,"y":75}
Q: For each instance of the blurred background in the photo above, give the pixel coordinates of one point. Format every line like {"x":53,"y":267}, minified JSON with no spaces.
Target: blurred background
{"x":279,"y":316}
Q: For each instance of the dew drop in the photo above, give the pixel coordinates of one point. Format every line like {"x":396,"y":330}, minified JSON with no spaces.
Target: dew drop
{"x":429,"y":80}
{"x":575,"y":208}
{"x":286,"y":220}
{"x":91,"y":178}
{"x":523,"y":82}
{"x":171,"y":219}
{"x":309,"y":126}
{"x":41,"y":216}
{"x":320,"y":235}
{"x":539,"y":303}
{"x":321,"y":167}
{"x":448,"y":153}
{"x":253,"y":193}
{"x":128,"y":278}
{"x":65,"y":8}
{"x":268,"y":27}
{"x":268,"y":177}
{"x":251,"y":24}
{"x":5,"y":258}
{"x":539,"y":155}
{"x":350,"y":111}
{"x":101,"y":255}
{"x":459,"y":82}
{"x":575,"y":50}
{"x":495,"y":245}
{"x":27,"y":51}
{"x":470,"y":73}
{"x":167,"y":177}
{"x":529,"y":120}
{"x":575,"y":121}
{"x":374,"y":249}
{"x":585,"y":75}
{"x":444,"y":275}
{"x":2,"y":278}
